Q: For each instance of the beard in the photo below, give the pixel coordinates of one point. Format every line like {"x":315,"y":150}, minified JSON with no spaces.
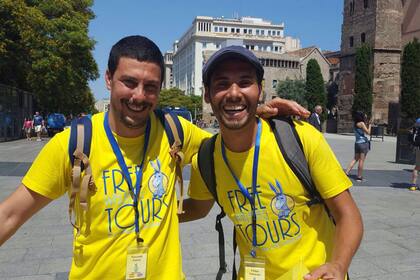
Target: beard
{"x":134,"y":115}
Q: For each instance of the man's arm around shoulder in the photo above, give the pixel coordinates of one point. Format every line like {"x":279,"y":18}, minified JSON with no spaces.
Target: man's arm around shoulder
{"x":17,"y":209}
{"x":348,"y":235}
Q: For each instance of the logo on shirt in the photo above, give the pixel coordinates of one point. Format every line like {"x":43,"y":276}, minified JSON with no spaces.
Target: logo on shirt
{"x":281,"y":204}
{"x":158,"y":182}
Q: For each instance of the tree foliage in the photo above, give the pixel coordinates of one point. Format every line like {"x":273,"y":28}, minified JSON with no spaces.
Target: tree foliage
{"x":292,"y":90}
{"x":315,"y":87}
{"x":45,"y":49}
{"x":410,"y":81}
{"x":363,"y":86}
{"x":176,"y":98}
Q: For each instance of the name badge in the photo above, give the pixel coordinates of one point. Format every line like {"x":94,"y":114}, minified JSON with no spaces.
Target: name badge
{"x":136,"y":262}
{"x":254,"y":268}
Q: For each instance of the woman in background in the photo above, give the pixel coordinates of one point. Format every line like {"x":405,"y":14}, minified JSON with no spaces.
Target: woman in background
{"x":27,"y":127}
{"x":362,"y":145}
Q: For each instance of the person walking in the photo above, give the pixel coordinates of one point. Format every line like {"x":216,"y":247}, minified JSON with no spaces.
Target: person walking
{"x":277,"y":230}
{"x":415,"y":139}
{"x":361,"y":145}
{"x":38,"y":125}
{"x":27,"y":127}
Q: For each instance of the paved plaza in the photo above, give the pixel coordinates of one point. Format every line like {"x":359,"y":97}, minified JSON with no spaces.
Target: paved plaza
{"x":41,"y":249}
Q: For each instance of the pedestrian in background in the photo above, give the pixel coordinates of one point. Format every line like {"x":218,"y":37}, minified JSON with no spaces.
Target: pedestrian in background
{"x":37,"y":125}
{"x":315,"y":118}
{"x":415,"y":139}
{"x":361,"y":145}
{"x":27,"y":127}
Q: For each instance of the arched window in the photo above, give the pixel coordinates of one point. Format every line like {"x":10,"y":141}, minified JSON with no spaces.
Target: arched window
{"x":351,"y":7}
{"x":363,"y":37}
{"x":365,"y":4}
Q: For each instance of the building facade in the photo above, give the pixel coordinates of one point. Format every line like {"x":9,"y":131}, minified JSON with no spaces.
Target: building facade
{"x":410,"y":27}
{"x":378,"y":24}
{"x":211,"y":34}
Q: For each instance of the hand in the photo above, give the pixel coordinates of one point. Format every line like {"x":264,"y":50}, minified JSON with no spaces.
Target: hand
{"x":281,"y":107}
{"x":328,"y":271}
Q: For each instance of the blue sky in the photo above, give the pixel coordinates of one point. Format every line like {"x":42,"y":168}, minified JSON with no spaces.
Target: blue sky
{"x":314,"y":22}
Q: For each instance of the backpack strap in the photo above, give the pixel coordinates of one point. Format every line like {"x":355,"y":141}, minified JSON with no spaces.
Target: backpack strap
{"x":206,"y":167}
{"x":292,"y":150}
{"x":175,"y":134}
{"x":79,"y":151}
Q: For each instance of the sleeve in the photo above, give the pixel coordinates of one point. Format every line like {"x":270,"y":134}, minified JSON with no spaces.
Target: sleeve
{"x":193,"y":136}
{"x":327,"y":173}
{"x":197,"y":189}
{"x":49,"y":174}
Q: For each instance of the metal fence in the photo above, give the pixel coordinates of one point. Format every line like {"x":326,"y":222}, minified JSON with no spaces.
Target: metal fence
{"x":15,"y":106}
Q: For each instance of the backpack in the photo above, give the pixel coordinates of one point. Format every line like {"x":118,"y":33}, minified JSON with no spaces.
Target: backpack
{"x":292,"y":150}
{"x":79,"y":151}
{"x":414,"y":136}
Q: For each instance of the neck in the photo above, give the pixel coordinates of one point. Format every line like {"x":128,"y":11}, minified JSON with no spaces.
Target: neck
{"x":118,"y":127}
{"x":240,"y":140}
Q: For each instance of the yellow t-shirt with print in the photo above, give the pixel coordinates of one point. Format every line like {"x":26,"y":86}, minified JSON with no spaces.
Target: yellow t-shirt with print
{"x":100,"y":251}
{"x":290,"y":234}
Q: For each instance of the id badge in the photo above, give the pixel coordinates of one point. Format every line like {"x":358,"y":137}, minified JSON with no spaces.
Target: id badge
{"x":254,"y":268}
{"x":136,"y":262}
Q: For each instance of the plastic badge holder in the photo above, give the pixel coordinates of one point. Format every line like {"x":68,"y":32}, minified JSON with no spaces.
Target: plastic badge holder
{"x":254,"y":268}
{"x":136,"y":262}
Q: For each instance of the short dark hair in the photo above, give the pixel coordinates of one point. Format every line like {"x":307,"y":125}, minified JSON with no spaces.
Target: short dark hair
{"x":358,"y":116}
{"x":136,"y":47}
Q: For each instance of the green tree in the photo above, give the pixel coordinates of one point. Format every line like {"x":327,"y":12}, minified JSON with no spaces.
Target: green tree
{"x":292,"y":90}
{"x":410,"y":81}
{"x":363,"y":81}
{"x":315,"y":87}
{"x":176,"y":98}
{"x":47,"y":46}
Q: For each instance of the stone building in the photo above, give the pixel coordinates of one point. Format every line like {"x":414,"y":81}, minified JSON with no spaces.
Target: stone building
{"x":411,"y":20}
{"x":378,"y":24}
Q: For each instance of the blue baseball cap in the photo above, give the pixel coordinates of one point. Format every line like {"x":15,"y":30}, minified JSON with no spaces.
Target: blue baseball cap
{"x":418,"y":120}
{"x":232,"y":52}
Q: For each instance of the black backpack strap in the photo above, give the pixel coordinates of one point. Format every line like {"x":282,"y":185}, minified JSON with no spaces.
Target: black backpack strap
{"x":292,"y":150}
{"x":206,"y":167}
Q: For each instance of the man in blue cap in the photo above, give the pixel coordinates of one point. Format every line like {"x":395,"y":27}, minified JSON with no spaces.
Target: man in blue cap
{"x":277,"y":230}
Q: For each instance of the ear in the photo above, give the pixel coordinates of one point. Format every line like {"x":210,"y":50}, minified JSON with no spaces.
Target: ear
{"x":207,"y":94}
{"x":108,"y":79}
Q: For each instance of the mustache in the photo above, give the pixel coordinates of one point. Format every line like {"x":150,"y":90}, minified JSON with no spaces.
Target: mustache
{"x":141,"y":103}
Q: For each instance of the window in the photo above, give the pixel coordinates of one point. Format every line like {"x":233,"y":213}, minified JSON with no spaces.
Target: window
{"x":226,"y":30}
{"x":250,"y":31}
{"x":276,"y":49}
{"x":257,"y":31}
{"x":278,"y":33}
{"x":363,"y":37}
{"x":238,"y":30}
{"x":204,"y":45}
{"x":365,"y":4}
{"x":217,"y":46}
{"x":252,"y":47}
{"x":351,"y":7}
{"x":232,"y":30}
{"x":269,"y":32}
{"x":262,"y":32}
{"x":351,"y":41}
{"x":274,"y":84}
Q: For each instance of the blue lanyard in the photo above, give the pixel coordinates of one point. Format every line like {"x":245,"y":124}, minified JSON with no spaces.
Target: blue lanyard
{"x":134,"y":191}
{"x":243,"y":189}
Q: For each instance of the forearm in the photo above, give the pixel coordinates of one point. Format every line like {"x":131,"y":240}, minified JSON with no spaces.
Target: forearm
{"x":348,"y":235}
{"x":9,"y":224}
{"x":195,"y":209}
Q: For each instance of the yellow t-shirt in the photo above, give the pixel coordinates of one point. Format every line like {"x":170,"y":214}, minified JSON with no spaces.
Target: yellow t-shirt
{"x":101,"y":249}
{"x":289,"y":233}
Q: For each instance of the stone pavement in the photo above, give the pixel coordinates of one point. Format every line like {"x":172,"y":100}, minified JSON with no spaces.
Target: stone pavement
{"x":41,"y":249}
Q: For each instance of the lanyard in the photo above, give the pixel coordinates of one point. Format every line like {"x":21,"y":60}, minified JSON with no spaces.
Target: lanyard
{"x":243,"y":189}
{"x":134,"y":190}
